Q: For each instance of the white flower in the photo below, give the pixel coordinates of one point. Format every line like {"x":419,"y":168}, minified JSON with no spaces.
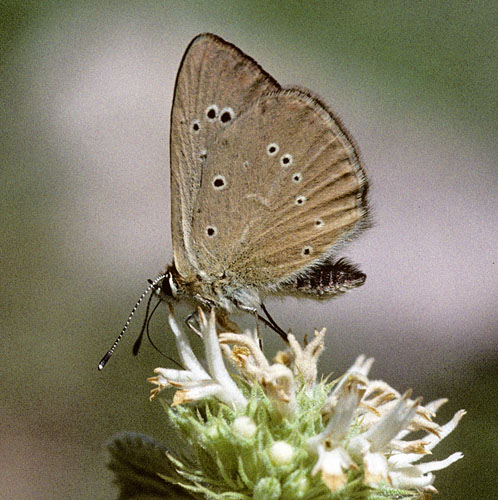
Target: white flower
{"x":333,"y":459}
{"x":304,"y":361}
{"x":404,"y":474}
{"x":333,"y":465}
{"x":195,"y":383}
{"x":351,"y":433}
{"x":338,"y":426}
{"x":379,"y":445}
{"x":277,"y":380}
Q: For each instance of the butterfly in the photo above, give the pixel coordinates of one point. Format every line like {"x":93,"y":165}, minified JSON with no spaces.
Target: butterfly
{"x":266,"y":188}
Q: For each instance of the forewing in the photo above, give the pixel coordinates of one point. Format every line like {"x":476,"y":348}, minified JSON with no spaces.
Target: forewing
{"x":282,"y":190}
{"x":215,"y":83}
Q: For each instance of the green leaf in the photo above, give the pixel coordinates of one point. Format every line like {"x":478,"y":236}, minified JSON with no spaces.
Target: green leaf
{"x":137,"y":461}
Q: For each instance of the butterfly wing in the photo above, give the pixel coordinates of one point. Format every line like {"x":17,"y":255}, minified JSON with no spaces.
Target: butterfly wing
{"x":282,"y":190}
{"x":215,"y":82}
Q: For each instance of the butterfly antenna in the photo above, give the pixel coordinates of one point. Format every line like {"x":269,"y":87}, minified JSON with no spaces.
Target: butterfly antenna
{"x":273,"y":324}
{"x":109,"y":353}
{"x":138,"y":342}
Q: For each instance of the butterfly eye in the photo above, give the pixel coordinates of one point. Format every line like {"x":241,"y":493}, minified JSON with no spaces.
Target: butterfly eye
{"x":219,"y":182}
{"x":297,"y":177}
{"x":196,"y":126}
{"x":307,"y":251}
{"x":226,"y":115}
{"x":211,"y":113}
{"x":272,"y":149}
{"x":300,"y":200}
{"x":286,"y":160}
{"x":211,"y":231}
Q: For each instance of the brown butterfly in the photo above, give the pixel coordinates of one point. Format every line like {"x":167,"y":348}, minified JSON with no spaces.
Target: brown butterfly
{"x":266,"y":187}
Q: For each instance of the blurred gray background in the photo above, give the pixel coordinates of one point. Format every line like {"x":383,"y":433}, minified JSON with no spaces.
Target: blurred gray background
{"x":86,"y":90}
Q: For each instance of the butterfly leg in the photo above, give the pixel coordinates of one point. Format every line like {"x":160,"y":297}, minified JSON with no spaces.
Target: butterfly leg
{"x":268,"y":322}
{"x":273,"y":324}
{"x":208,"y":304}
{"x":192,"y":321}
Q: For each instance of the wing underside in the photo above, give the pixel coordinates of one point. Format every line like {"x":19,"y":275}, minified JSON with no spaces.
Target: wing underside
{"x":293,"y":192}
{"x":214,"y":76}
{"x":265,"y":182}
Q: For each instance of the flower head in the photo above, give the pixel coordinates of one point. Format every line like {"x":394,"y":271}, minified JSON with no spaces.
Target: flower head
{"x":273,"y":430}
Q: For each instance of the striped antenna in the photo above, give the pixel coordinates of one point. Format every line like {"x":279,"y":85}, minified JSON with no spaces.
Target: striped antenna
{"x":108,"y":354}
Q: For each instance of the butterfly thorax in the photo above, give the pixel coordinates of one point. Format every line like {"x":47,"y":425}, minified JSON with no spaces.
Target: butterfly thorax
{"x":212,"y":291}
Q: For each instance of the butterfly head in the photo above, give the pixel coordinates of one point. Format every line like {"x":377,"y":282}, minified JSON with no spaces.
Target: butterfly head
{"x":169,"y":287}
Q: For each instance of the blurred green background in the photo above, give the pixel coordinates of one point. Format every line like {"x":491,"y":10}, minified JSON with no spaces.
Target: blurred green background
{"x":86,"y":90}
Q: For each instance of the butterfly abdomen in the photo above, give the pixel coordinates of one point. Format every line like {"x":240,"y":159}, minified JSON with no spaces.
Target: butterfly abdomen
{"x":326,"y":280}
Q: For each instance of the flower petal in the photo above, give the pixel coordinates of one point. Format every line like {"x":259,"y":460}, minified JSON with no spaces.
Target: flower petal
{"x":231,"y":393}
{"x":185,"y":352}
{"x":333,"y":465}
